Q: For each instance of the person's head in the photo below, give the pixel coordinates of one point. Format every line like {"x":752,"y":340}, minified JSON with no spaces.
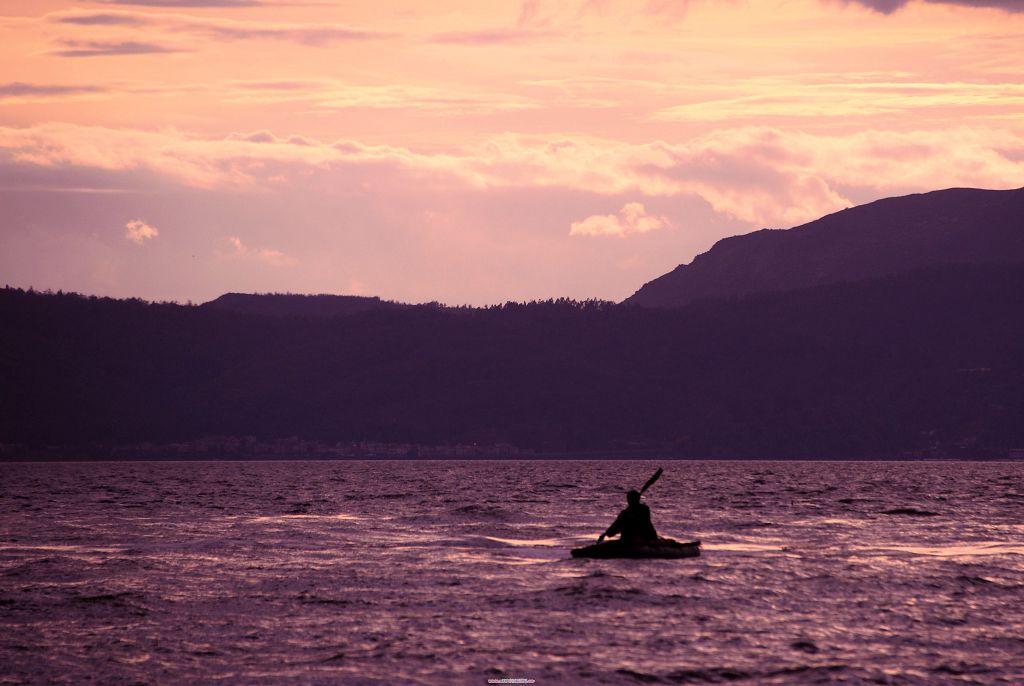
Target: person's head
{"x":633,"y":497}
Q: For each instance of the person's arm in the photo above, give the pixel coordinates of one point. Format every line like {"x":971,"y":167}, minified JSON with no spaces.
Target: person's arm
{"x":612,"y":530}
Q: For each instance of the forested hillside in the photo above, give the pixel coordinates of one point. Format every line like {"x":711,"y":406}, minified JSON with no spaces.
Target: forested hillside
{"x":930,"y":361}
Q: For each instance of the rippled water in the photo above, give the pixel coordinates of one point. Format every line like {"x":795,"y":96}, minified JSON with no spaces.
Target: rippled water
{"x":458,"y":572}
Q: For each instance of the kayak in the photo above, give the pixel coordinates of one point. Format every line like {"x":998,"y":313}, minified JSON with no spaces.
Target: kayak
{"x":663,"y":548}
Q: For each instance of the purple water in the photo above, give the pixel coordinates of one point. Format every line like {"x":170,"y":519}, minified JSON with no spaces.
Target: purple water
{"x":459,"y":572}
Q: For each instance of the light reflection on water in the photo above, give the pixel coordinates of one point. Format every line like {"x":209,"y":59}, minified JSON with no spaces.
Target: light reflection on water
{"x":975,"y":549}
{"x":385,"y":572}
{"x":289,"y":518}
{"x":743,"y":547}
{"x":535,"y":542}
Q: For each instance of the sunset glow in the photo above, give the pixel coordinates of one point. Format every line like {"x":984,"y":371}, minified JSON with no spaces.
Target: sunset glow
{"x":474,"y":153}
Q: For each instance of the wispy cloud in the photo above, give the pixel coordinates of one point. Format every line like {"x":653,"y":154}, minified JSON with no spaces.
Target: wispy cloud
{"x":272,"y":86}
{"x":305,"y":34}
{"x":18,"y":91}
{"x":317,"y":94}
{"x":186,"y":3}
{"x":529,"y":13}
{"x":422,"y":98}
{"x":80,"y":48}
{"x":492,"y":36}
{"x":890,"y":6}
{"x":103,"y":19}
{"x":336,"y":95}
{"x":264,"y":136}
{"x":631,"y":219}
{"x":266,"y":255}
{"x":852,"y":97}
{"x":220,"y":29}
{"x":21,"y":91}
{"x":669,"y":9}
{"x":138,"y":232}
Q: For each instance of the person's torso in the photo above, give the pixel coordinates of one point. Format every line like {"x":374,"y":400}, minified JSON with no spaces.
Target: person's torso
{"x":636,"y":522}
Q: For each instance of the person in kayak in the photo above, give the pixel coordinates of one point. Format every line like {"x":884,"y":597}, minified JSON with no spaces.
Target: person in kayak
{"x":633,"y":524}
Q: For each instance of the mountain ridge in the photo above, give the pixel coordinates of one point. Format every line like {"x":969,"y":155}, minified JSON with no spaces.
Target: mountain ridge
{"x":296,"y":304}
{"x":884,"y":237}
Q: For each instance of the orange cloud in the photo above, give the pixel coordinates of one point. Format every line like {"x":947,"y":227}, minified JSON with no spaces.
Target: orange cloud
{"x":631,"y":219}
{"x":138,"y":231}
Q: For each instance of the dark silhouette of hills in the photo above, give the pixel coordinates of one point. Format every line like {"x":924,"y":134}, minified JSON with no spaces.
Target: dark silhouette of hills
{"x":891,"y":236}
{"x":928,"y":361}
{"x":282,"y":304}
{"x":884,"y":330}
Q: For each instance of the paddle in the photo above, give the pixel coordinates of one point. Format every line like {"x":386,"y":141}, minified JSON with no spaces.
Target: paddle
{"x":650,"y":482}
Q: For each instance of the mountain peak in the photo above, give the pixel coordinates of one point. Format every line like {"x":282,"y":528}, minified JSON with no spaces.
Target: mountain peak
{"x":884,"y":237}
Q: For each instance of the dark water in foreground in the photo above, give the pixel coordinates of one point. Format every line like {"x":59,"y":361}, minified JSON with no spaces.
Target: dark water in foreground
{"x":458,"y":572}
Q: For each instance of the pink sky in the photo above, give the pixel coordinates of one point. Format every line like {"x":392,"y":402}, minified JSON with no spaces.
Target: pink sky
{"x":473,"y":153}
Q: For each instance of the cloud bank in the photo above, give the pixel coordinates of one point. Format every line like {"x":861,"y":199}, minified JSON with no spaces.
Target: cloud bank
{"x":758,"y":175}
{"x":463,"y":226}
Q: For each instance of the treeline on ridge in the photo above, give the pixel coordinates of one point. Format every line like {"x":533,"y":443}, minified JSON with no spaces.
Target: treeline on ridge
{"x":925,"y":361}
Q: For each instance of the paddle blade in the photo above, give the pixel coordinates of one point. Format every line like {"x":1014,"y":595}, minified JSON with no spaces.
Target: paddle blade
{"x":650,"y":482}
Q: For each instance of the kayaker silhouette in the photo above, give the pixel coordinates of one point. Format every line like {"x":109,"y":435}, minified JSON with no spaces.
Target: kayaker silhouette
{"x":633,"y":524}
{"x":637,"y":537}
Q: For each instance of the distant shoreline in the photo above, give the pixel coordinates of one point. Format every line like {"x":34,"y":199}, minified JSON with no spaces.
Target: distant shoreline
{"x":546,"y":457}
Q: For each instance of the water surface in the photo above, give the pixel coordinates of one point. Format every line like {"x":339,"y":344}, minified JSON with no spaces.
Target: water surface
{"x":370,"y":572}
